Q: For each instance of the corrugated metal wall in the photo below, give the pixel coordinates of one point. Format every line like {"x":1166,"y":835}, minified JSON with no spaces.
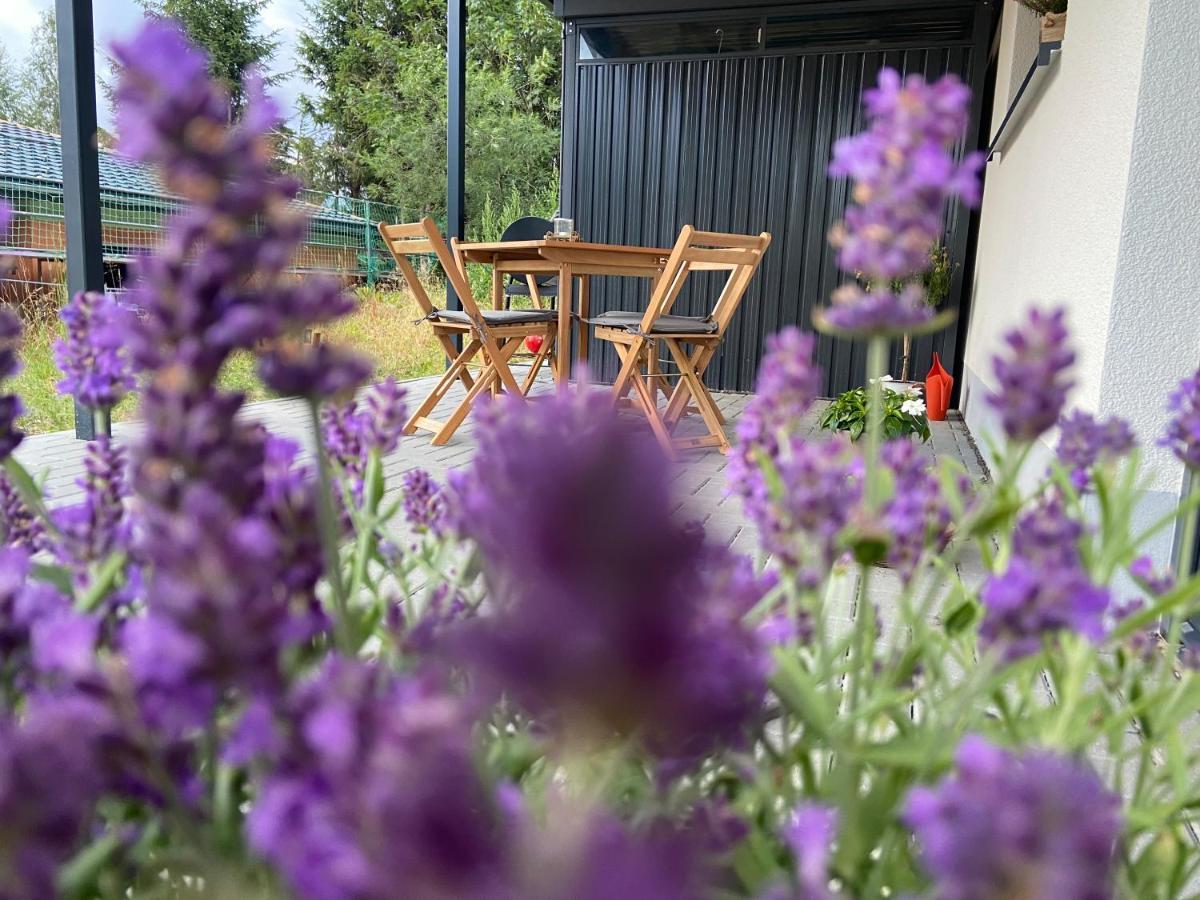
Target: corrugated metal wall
{"x":733,"y":144}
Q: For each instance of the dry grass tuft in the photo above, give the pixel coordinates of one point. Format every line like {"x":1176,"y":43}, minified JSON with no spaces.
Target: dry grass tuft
{"x":385,"y":327}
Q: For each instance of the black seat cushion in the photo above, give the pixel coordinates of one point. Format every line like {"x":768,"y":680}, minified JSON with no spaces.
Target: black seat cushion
{"x":632,"y":322}
{"x":519,"y":287}
{"x":498,"y":316}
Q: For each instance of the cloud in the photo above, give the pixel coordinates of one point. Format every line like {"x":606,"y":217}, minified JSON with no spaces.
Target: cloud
{"x":17,"y":22}
{"x":118,"y":19}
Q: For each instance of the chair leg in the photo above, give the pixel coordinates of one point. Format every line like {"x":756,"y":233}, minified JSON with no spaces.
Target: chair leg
{"x":456,"y":371}
{"x":482,"y":383}
{"x":700,"y":394}
{"x":652,"y":376}
{"x":650,"y":408}
{"x":502,"y":346}
{"x":497,"y":358}
{"x":629,"y":368}
{"x":622,"y":353}
{"x":678,"y":404}
{"x":451,"y":354}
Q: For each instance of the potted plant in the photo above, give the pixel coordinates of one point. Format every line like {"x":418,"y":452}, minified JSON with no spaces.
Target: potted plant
{"x":903,"y":411}
{"x":936,"y":283}
{"x":1054,"y":17}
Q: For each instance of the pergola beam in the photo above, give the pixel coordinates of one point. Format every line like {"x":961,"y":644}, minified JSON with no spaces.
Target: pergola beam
{"x":80,"y":161}
{"x":456,"y":127}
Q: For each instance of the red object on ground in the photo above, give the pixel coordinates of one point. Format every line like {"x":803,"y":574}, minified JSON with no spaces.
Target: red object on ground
{"x":533,"y":342}
{"x":938,"y":385}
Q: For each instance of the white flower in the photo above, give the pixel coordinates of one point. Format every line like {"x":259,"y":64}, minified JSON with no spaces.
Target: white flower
{"x":913,"y":407}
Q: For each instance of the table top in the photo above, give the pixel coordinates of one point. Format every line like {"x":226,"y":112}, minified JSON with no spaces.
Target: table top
{"x":545,"y":249}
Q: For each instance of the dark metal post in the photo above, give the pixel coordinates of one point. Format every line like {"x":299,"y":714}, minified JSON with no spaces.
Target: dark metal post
{"x":80,"y":161}
{"x":456,"y":127}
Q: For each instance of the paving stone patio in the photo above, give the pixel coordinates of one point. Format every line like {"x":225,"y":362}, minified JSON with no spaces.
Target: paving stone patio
{"x":699,"y":482}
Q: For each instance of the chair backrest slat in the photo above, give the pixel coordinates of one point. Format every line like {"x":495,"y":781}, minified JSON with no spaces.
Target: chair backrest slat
{"x":423,"y":238}
{"x":708,"y":251}
{"x":721,"y":239}
{"x":718,"y":259}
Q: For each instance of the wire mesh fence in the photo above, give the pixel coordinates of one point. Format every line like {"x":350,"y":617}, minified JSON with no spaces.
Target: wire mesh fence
{"x":342,"y":239}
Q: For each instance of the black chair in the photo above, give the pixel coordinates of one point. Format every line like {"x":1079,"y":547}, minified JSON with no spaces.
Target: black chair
{"x":529,"y":228}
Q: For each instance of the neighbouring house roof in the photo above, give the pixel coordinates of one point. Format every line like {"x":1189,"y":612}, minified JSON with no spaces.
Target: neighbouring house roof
{"x":32,"y":156}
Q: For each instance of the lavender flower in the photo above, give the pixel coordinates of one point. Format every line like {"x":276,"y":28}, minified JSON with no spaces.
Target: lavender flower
{"x":602,"y":607}
{"x":1047,"y":535}
{"x":228,"y":536}
{"x":1039,"y":826}
{"x":916,"y":516}
{"x":342,"y":434}
{"x":1085,"y":441}
{"x":803,"y":505}
{"x":904,"y":171}
{"x":788,"y":383}
{"x":600,"y":858}
{"x":1045,"y":588}
{"x":809,"y":835}
{"x":1183,"y":431}
{"x":49,"y":783}
{"x":92,"y":529}
{"x":377,"y":792}
{"x":424,"y":502}
{"x":10,"y":405}
{"x":385,"y":416}
{"x":23,"y":603}
{"x":320,"y":372}
{"x":1032,"y":377}
{"x":20,"y":527}
{"x":93,"y":358}
{"x":1157,"y":583}
{"x":222,"y":578}
{"x":351,"y":431}
{"x":64,"y":643}
{"x":289,"y":505}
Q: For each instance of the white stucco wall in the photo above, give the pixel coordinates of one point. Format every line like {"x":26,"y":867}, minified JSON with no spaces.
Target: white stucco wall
{"x":1095,"y":205}
{"x":1154,"y":324}
{"x":1053,"y":205}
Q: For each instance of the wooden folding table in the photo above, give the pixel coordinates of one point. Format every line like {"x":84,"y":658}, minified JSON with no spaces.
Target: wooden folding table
{"x":569,"y":260}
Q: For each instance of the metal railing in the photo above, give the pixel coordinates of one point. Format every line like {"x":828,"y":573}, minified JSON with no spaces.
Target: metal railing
{"x":342,"y":237}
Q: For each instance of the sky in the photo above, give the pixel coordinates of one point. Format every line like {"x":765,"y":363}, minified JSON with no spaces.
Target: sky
{"x":116,"y":19}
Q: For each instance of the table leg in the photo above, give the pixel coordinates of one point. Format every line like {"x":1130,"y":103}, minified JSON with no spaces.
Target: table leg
{"x":565,"y":307}
{"x":497,"y":287}
{"x":585,"y":291}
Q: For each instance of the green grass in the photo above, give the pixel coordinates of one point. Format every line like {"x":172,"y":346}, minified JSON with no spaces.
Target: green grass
{"x":384,"y":327}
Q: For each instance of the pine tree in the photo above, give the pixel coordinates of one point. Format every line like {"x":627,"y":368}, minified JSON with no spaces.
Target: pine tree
{"x":379,"y":70}
{"x":229,"y":30}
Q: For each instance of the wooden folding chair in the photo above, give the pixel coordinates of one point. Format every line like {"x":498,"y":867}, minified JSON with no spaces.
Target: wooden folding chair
{"x":493,"y":334}
{"x":691,"y":341}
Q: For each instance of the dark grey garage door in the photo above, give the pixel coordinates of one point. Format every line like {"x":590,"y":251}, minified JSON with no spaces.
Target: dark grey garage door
{"x":734,"y":143}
